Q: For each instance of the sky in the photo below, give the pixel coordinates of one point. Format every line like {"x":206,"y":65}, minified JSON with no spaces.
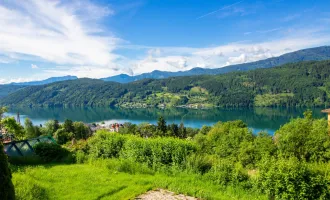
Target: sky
{"x":101,"y":38}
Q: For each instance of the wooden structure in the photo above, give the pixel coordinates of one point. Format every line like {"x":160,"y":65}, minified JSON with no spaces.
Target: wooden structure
{"x":328,"y":112}
{"x":24,"y":147}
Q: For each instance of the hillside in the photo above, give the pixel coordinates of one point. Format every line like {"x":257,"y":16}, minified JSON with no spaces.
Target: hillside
{"x":12,"y":87}
{"x":8,"y":89}
{"x":298,"y":84}
{"x":312,"y":54}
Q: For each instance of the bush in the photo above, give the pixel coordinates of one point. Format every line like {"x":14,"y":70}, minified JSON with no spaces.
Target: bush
{"x":7,"y":191}
{"x":292,"y":179}
{"x":304,"y":138}
{"x":80,"y":157}
{"x":106,"y":145}
{"x":49,"y":152}
{"x":62,"y":136}
{"x":225,"y":172}
{"x":199,"y":164}
{"x":157,"y":152}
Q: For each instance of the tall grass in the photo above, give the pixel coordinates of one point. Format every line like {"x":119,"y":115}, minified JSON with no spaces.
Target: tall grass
{"x":114,"y":179}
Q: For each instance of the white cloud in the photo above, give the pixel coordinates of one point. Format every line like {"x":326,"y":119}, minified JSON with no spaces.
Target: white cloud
{"x":33,"y":66}
{"x":185,"y":58}
{"x":54,"y":32}
{"x":69,"y":36}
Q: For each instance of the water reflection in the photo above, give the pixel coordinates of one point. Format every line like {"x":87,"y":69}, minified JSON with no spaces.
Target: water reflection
{"x":268,"y":119}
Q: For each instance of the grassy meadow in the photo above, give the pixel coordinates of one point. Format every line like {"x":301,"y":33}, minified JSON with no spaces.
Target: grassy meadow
{"x":112,"y":179}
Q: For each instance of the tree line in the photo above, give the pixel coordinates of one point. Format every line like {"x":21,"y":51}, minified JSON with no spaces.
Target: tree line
{"x":297,"y":84}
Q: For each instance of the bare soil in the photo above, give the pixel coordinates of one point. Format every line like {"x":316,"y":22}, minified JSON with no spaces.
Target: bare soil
{"x":161,"y":194}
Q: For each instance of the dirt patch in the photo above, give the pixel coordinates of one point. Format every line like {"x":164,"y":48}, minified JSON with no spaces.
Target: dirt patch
{"x":161,"y":194}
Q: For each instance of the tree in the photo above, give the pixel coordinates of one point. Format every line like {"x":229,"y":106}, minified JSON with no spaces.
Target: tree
{"x":62,"y":136}
{"x":173,"y":130}
{"x":161,"y":125}
{"x":13,"y":127}
{"x":2,"y":111}
{"x":30,"y":130}
{"x":7,"y":191}
{"x":81,"y":131}
{"x":182,"y":131}
{"x":51,"y":127}
{"x":68,"y":126}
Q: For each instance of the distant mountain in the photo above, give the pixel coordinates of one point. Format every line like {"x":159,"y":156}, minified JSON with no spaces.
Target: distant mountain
{"x":312,"y":54}
{"x":47,"y":81}
{"x":13,"y":87}
{"x":290,"y":85}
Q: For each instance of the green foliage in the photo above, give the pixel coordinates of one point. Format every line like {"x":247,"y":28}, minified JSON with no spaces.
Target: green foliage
{"x":30,"y":130}
{"x":28,"y":189}
{"x":161,"y":125}
{"x":225,"y":138}
{"x":81,"y":131}
{"x":68,"y":126}
{"x":62,"y":136}
{"x":6,"y":186}
{"x":301,"y":84}
{"x":10,"y":124}
{"x":50,"y":152}
{"x":50,"y":127}
{"x":304,"y":138}
{"x":158,"y":151}
{"x":106,"y":145}
{"x":292,"y":179}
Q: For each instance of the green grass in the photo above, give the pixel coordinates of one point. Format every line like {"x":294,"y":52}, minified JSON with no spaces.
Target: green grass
{"x":109,"y":180}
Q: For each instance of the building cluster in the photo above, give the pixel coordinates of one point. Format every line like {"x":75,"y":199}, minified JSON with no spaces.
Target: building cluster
{"x":112,"y":127}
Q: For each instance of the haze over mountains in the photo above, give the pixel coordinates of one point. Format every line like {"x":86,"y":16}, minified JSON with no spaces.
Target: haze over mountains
{"x":316,"y":54}
{"x":46,"y":81}
{"x":311,"y":54}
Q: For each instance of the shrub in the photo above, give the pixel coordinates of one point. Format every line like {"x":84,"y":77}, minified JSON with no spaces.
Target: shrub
{"x":106,"y":145}
{"x":225,"y":172}
{"x":304,"y":138}
{"x":80,"y":157}
{"x":7,"y":191}
{"x":199,"y":164}
{"x":292,"y":179}
{"x":50,"y":152}
{"x":62,"y":136}
{"x":158,"y":151}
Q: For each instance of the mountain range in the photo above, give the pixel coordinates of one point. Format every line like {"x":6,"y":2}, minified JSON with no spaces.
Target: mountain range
{"x":311,"y":54}
{"x":46,"y":81}
{"x":296,"y":84}
{"x":316,"y":54}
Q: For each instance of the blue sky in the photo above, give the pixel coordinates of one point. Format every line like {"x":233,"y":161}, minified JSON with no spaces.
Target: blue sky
{"x":40,"y":39}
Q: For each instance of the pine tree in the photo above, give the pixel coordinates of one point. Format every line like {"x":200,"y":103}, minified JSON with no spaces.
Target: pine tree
{"x":7,"y":191}
{"x":161,"y":125}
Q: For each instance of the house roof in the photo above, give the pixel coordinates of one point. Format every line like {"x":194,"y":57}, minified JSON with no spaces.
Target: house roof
{"x":326,"y":111}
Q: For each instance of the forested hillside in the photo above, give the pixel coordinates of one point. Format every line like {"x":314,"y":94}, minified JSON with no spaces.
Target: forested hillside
{"x":298,"y":84}
{"x":7,"y":89}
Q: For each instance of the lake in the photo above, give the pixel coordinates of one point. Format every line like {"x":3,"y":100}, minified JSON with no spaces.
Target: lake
{"x":258,"y":119}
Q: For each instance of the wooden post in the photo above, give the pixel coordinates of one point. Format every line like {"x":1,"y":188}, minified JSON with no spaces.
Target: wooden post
{"x":328,"y":112}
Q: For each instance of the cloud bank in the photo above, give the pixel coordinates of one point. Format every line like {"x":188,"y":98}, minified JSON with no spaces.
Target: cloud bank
{"x":70,"y":38}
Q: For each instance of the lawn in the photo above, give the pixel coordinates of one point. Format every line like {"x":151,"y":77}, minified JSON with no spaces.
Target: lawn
{"x":107,"y":180}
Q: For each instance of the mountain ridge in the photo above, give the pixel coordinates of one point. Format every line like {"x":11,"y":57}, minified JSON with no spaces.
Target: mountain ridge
{"x":46,"y":81}
{"x":301,"y":84}
{"x":310,"y":54}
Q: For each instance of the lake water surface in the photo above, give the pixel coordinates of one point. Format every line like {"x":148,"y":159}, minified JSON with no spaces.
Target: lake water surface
{"x":258,"y":119}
